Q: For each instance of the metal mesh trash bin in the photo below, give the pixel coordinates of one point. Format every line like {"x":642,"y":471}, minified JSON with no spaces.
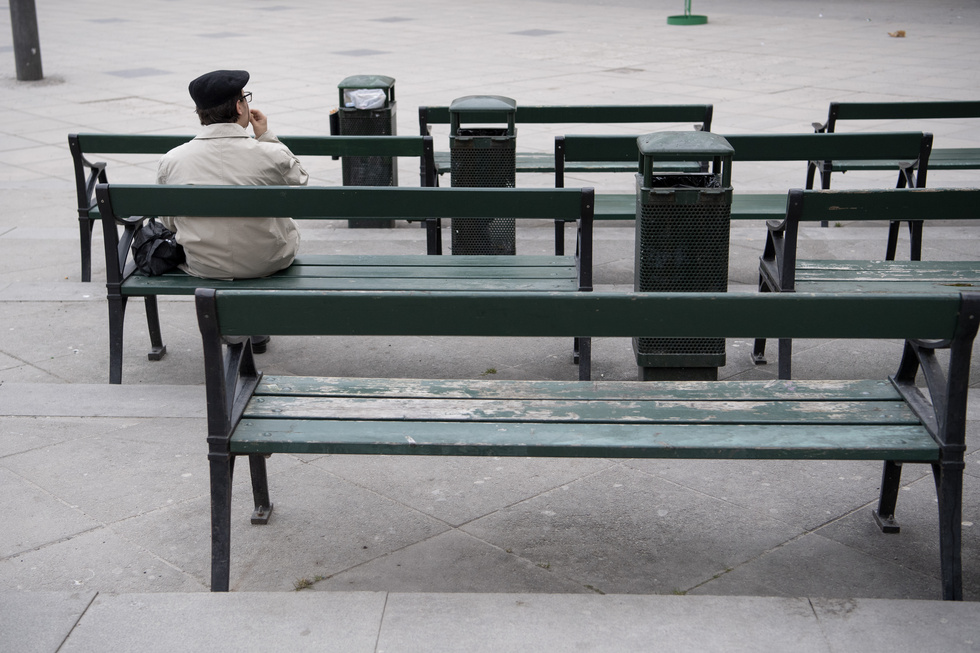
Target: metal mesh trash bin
{"x":682,"y":237}
{"x":367,"y":108}
{"x":483,"y":157}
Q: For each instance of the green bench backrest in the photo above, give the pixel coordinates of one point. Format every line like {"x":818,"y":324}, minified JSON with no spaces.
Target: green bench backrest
{"x":695,"y":315}
{"x":903,"y":110}
{"x":884,"y":204}
{"x":123,"y":201}
{"x":698,"y":113}
{"x":300,"y":145}
{"x":906,"y":146}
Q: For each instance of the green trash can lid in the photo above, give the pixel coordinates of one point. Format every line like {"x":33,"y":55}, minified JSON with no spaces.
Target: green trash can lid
{"x":684,"y":146}
{"x":367,"y":81}
{"x":483,"y":103}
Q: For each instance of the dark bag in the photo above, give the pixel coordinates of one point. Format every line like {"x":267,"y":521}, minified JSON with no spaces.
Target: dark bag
{"x":155,"y":249}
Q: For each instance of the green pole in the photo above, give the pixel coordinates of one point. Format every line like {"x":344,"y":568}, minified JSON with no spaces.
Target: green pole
{"x":687,"y":18}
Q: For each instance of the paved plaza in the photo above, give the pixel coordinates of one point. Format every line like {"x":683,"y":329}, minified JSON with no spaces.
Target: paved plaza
{"x":105,"y":544}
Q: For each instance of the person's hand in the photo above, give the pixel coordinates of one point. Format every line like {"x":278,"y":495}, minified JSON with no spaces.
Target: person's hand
{"x":260,"y":124}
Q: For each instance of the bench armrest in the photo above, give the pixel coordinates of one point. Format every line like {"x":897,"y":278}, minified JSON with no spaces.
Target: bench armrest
{"x":944,"y":413}
{"x":231,"y":376}
{"x":777,"y":265}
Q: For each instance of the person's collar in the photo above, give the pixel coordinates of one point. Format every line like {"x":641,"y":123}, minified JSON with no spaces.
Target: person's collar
{"x":223,"y":130}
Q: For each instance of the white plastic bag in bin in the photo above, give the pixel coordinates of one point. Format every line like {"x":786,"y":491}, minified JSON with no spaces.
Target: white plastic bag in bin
{"x":364,"y":98}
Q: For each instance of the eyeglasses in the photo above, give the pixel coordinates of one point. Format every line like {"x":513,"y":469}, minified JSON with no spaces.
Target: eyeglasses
{"x":247,"y":96}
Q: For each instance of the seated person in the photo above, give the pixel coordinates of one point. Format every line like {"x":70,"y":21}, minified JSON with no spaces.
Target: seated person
{"x":224,"y":154}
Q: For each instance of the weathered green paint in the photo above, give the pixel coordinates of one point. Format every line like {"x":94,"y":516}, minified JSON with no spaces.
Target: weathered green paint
{"x":780,"y":442}
{"x":530,"y":410}
{"x":771,"y":390}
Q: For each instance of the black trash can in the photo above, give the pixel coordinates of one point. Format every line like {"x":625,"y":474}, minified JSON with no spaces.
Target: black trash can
{"x":682,"y":239}
{"x":483,"y":157}
{"x":367,"y":108}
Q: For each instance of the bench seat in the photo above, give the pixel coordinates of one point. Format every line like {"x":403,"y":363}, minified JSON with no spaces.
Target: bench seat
{"x":802,"y":420}
{"x":378,"y":272}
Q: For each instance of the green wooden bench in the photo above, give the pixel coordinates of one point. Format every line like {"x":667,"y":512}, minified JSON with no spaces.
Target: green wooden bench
{"x":780,"y":271}
{"x":126,"y":206}
{"x":941,"y":158}
{"x":908,"y":152}
{"x":698,"y":114}
{"x":886,"y":419}
{"x":88,"y":173}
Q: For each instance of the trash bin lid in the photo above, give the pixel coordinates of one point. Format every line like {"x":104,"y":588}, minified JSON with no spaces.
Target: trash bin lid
{"x":483,"y":103}
{"x":684,"y":146}
{"x":367,"y":81}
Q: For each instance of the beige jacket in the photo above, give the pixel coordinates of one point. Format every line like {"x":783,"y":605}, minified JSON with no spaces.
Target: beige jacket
{"x":233,"y":248}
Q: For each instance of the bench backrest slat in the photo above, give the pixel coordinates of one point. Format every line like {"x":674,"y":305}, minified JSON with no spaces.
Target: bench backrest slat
{"x":343,"y":202}
{"x":880,"y":204}
{"x":903,"y":110}
{"x":698,"y":315}
{"x":561,"y":114}
{"x":906,"y":146}
{"x":300,"y":145}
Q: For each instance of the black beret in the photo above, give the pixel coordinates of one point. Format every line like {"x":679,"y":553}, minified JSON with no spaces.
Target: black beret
{"x":215,"y":88}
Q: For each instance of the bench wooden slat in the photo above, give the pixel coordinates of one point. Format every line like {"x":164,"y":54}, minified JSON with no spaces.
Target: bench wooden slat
{"x":346,"y":202}
{"x":871,"y":287}
{"x":783,"y":442}
{"x":432,"y":272}
{"x":541,"y":162}
{"x":570,"y":411}
{"x":745,"y":206}
{"x":886,"y":271}
{"x":413,"y":260}
{"x":955,"y":158}
{"x":300,"y":145}
{"x":694,"y":315}
{"x":797,"y":390}
{"x":186,"y":284}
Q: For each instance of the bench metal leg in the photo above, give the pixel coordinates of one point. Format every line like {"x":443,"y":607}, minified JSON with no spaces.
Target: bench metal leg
{"x":891,"y":477}
{"x":117,"y":317}
{"x":759,"y":348}
{"x":785,"y":358}
{"x":85,"y":241}
{"x":949,"y":491}
{"x":260,"y":489}
{"x":222,"y":467}
{"x":584,"y":358}
{"x":157,"y":349}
